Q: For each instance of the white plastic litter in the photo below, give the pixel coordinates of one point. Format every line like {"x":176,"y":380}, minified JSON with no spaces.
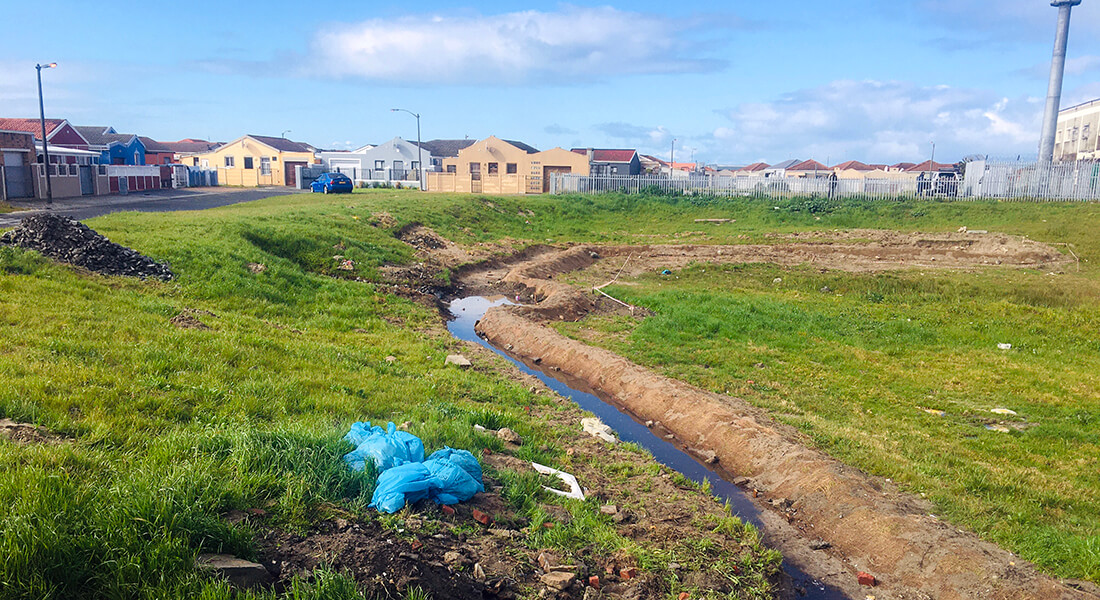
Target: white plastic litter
{"x":598,"y":428}
{"x":1004,"y":346}
{"x":1002,"y":411}
{"x":574,"y":492}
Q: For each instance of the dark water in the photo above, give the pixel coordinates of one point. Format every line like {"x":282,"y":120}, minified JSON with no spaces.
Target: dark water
{"x":467,"y":311}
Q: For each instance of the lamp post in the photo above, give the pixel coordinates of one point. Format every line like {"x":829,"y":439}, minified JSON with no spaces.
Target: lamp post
{"x":283,"y":135}
{"x":42,"y":120}
{"x":672,"y":159}
{"x":419,"y":149}
{"x":1054,"y":88}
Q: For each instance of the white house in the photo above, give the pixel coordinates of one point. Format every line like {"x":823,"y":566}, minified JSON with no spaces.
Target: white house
{"x":394,"y":161}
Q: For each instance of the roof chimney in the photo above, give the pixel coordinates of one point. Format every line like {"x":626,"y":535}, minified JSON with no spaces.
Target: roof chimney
{"x":591,"y":154}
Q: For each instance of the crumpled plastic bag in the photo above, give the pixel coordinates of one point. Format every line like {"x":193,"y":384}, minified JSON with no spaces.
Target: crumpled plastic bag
{"x":409,"y":482}
{"x":385,"y":448}
{"x":462,"y":458}
{"x":450,"y":482}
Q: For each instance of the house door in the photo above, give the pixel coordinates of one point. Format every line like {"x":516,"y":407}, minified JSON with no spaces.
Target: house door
{"x":87,"y":183}
{"x":16,"y":181}
{"x":547,"y":171}
{"x":289,"y":178}
{"x":475,"y":178}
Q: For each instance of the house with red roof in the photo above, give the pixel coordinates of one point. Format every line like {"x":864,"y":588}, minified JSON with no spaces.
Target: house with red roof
{"x":808,"y":168}
{"x":612,"y":161}
{"x":58,"y":131}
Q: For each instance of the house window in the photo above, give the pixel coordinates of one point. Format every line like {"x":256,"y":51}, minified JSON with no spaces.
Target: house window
{"x":475,"y":171}
{"x":510,"y":168}
{"x":379,"y":164}
{"x":265,"y":165}
{"x":614,"y":170}
{"x":398,"y":165}
{"x":229,"y":162}
{"x":452,"y":169}
{"x":248,"y":162}
{"x":205,"y":163}
{"x":415,"y":165}
{"x":494,"y":168}
{"x":194,"y":162}
{"x":1085,"y":131}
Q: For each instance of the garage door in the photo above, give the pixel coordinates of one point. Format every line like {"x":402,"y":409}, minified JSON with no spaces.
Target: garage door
{"x":17,"y":181}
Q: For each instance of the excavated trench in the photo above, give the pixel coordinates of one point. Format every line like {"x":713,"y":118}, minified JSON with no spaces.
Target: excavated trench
{"x":829,"y":520}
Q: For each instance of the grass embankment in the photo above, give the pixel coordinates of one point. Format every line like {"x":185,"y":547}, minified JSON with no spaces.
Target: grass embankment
{"x":166,"y":429}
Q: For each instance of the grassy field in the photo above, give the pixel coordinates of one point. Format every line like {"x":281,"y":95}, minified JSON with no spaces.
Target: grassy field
{"x":166,"y":429}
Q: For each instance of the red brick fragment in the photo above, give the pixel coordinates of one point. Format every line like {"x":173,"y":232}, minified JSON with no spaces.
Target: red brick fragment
{"x":866,"y":579}
{"x":594,"y":581}
{"x":628,"y":573}
{"x":447,"y":510}
{"x":416,"y":545}
{"x":548,"y":525}
{"x":684,"y":596}
{"x":482,"y":518}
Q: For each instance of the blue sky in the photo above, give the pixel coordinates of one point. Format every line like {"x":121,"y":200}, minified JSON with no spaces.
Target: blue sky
{"x":866,"y":80}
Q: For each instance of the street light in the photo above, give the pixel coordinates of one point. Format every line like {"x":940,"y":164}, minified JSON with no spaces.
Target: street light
{"x":1054,"y":87}
{"x":672,"y":159}
{"x":42,"y":117}
{"x":283,"y":135}
{"x":419,"y":150}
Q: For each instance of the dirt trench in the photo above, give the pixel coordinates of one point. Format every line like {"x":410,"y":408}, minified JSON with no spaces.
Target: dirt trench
{"x":868,"y":523}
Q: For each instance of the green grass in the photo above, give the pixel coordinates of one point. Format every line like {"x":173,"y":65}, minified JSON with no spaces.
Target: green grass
{"x":855,"y":366}
{"x":167,"y":429}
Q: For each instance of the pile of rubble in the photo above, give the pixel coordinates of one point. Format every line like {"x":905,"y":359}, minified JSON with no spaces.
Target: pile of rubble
{"x":67,"y":240}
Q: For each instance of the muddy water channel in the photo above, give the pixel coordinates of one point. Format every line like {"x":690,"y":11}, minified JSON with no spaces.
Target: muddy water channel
{"x":467,"y":311}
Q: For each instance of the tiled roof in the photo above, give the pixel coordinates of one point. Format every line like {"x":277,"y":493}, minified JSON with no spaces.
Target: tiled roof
{"x":30,"y":125}
{"x":930,"y":166}
{"x":282,"y":144}
{"x":786,"y":164}
{"x":446,"y":148}
{"x":152,"y":145}
{"x":757,"y":166}
{"x":651,"y":158}
{"x":854,"y":165}
{"x":608,"y":154}
{"x":903,"y":166}
{"x":95,"y":134}
{"x":190,"y":145}
{"x":809,"y":165}
{"x":525,"y":147}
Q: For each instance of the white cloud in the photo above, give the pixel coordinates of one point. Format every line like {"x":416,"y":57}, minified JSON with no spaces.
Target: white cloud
{"x":574,"y":43}
{"x":876,"y":121}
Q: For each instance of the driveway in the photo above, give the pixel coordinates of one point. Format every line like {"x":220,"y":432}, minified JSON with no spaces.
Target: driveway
{"x":86,"y":207}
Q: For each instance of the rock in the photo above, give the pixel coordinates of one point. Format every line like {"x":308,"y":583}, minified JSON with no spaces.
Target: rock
{"x":741,"y":481}
{"x":597,"y":428}
{"x":459,"y":361}
{"x":545,"y":562}
{"x":340,"y":523}
{"x":649,"y":424}
{"x":479,"y":573}
{"x":558,"y":580}
{"x":866,"y":579}
{"x":451,"y":557}
{"x":391,"y":358}
{"x":257,"y":268}
{"x":609,"y":509}
{"x":240,"y":573}
{"x":708,"y":456}
{"x":820,"y":545}
{"x":509,"y":436}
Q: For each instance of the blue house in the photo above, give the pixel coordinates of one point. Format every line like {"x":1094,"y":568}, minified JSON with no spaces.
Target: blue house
{"x":115,"y":148}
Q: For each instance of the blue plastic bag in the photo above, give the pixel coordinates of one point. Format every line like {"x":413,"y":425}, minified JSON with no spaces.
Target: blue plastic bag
{"x":386,"y":449}
{"x":450,"y":483}
{"x":461,"y":458}
{"x":404,"y":483}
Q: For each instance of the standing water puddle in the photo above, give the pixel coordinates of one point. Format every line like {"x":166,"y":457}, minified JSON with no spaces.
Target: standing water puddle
{"x":466,"y":312}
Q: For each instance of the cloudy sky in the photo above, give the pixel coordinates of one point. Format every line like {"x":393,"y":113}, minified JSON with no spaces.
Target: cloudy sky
{"x":866,"y":80}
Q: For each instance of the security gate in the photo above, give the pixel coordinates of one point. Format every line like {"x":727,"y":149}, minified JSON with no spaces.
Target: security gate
{"x":17,"y":180}
{"x":87,"y":181}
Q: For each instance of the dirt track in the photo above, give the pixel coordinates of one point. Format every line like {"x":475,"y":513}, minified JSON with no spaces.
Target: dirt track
{"x":870,"y":525}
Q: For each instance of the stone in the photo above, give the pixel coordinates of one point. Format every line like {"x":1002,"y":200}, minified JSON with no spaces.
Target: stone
{"x":240,"y":573}
{"x":452,"y":557}
{"x":708,"y":456}
{"x":866,"y":579}
{"x":558,"y":580}
{"x":509,"y":436}
{"x":459,"y":361}
{"x":820,"y":545}
{"x":649,"y":424}
{"x":609,"y":509}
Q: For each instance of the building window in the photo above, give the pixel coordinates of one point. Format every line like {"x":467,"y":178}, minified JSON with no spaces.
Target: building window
{"x":475,"y":171}
{"x":415,"y":165}
{"x":614,"y":170}
{"x":1085,"y":131}
{"x":494,"y":168}
{"x":265,"y":165}
{"x":452,"y":169}
{"x":379,"y":164}
{"x":248,"y":162}
{"x":510,"y":168}
{"x":229,"y":162}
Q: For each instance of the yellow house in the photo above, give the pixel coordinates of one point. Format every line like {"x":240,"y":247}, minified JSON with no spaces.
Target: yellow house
{"x":496,"y":166}
{"x":254,"y":160}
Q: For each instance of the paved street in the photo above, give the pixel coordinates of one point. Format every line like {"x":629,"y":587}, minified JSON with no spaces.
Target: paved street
{"x":86,"y":207}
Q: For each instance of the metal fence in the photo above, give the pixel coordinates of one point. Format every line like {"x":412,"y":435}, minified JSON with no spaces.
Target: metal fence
{"x":981,"y":179}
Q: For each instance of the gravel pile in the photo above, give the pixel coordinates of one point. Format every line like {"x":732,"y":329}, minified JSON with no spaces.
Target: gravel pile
{"x":67,"y":240}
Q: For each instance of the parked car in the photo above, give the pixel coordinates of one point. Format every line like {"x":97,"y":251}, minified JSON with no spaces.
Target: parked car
{"x":332,"y":183}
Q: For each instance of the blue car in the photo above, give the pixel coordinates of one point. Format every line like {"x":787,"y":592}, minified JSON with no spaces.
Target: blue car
{"x":332,"y":183}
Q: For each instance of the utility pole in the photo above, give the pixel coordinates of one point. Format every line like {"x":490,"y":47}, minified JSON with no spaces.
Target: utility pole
{"x":42,"y":120}
{"x":1054,"y":89}
{"x":672,"y":159}
{"x":419,"y":149}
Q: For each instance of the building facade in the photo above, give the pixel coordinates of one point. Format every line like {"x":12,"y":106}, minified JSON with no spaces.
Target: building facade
{"x":394,"y":161}
{"x":1076,"y":136}
{"x":255,"y":160}
{"x":496,"y":166}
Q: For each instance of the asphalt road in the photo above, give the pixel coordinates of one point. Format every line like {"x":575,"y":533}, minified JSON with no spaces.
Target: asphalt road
{"x":86,"y":207}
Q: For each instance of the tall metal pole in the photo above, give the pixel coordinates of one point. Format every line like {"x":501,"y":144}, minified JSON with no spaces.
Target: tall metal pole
{"x":42,"y":121}
{"x":672,"y":159}
{"x":1057,"y":69}
{"x":419,"y":149}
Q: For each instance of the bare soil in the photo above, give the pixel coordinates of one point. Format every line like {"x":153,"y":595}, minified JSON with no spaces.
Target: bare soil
{"x":26,"y":433}
{"x":869,"y":525}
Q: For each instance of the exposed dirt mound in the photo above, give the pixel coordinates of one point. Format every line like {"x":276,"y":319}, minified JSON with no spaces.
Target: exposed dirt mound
{"x":420,"y":237}
{"x":25,"y":433}
{"x":67,"y":240}
{"x":189,"y":319}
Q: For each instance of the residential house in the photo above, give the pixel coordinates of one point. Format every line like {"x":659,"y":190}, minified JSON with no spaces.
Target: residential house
{"x":606,"y":161}
{"x":780,"y":169}
{"x":16,"y":156}
{"x":651,"y":165}
{"x":58,"y":131}
{"x":1076,"y":135}
{"x":394,"y":161}
{"x":189,"y":149}
{"x":254,"y":160}
{"x":930,"y":167}
{"x":115,"y":148}
{"x":496,"y":166}
{"x":444,"y":149}
{"x":157,"y":153}
{"x":755,"y":169}
{"x":73,"y":172}
{"x":852,"y":169}
{"x":808,"y":168}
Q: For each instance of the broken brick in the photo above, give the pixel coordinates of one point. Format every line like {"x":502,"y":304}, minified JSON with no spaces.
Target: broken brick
{"x":866,"y":579}
{"x":416,"y":545}
{"x":684,"y":596}
{"x":447,"y":510}
{"x":482,"y":518}
{"x":628,"y":573}
{"x":594,"y":581}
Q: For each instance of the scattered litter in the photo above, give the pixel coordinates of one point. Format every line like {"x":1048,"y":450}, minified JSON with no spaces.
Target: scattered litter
{"x":1002,"y":411}
{"x":458,"y":360}
{"x":385,"y":448}
{"x":1004,"y":346}
{"x":481,"y":517}
{"x":998,"y":428}
{"x":935,"y":411}
{"x":597,"y":428}
{"x":977,"y":231}
{"x":257,"y":267}
{"x":574,"y":492}
{"x":666,"y":272}
{"x":239,"y":572}
{"x":346,"y":265}
{"x":446,"y":478}
{"x":777,"y":280}
{"x":713,"y":220}
{"x":866,"y":579}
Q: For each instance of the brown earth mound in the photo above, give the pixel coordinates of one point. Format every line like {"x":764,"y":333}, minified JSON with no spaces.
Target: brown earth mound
{"x":25,"y":433}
